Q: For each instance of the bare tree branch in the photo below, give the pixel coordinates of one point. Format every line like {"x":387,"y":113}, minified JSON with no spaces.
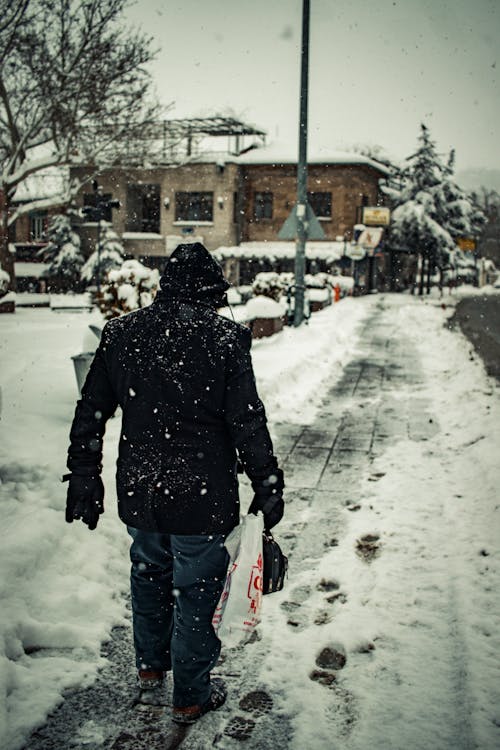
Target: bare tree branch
{"x":71,"y":71}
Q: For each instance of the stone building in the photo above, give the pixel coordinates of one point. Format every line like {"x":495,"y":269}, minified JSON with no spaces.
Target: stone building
{"x":192,"y":190}
{"x":226,"y":200}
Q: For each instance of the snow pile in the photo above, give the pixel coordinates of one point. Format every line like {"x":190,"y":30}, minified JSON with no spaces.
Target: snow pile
{"x":234,"y":296}
{"x":292,"y":366}
{"x":317,"y":294}
{"x":61,"y":586}
{"x":70,"y":301}
{"x":264,"y":307}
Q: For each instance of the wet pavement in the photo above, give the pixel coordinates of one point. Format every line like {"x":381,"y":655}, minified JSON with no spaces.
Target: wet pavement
{"x":479,"y":319}
{"x":374,"y":404}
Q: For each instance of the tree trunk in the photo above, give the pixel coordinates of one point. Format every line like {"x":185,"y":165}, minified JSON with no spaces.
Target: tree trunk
{"x":429,"y":273}
{"x":421,"y":279}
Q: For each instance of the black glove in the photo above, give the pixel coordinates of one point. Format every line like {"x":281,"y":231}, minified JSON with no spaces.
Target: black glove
{"x":268,"y":498}
{"x":85,"y":499}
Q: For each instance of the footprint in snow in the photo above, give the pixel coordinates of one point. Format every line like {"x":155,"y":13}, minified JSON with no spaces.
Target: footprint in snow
{"x":368,"y":547}
{"x":296,"y":618}
{"x":331,"y":657}
{"x":257,"y":703}
{"x":328,"y":585}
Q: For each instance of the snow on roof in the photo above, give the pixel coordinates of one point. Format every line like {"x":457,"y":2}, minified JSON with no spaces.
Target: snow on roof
{"x":47,"y":183}
{"x":328,"y":251}
{"x":276,"y":153}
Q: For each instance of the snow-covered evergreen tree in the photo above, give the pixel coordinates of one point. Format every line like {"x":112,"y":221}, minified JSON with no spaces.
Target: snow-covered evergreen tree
{"x":63,"y":254}
{"x":109,"y":254}
{"x":430,"y":211}
{"x":128,"y":288}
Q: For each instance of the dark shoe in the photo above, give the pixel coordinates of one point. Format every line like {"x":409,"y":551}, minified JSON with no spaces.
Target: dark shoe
{"x":151,"y":689}
{"x":190,"y":714}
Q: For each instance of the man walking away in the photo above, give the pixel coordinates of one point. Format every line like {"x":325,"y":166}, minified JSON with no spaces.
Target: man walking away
{"x":183,"y":377}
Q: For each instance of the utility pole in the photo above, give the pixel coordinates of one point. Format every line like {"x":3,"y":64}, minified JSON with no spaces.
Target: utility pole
{"x":302,"y":224}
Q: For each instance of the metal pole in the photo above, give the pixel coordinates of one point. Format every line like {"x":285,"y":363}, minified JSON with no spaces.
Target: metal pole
{"x":300,"y":250}
{"x":99,"y":253}
{"x":98,"y":208}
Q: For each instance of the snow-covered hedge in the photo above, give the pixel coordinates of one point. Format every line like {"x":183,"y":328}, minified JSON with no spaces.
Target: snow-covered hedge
{"x":128,"y":288}
{"x":269,"y":284}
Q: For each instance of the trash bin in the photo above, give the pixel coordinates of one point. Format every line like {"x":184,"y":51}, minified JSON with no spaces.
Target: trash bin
{"x":82,"y":364}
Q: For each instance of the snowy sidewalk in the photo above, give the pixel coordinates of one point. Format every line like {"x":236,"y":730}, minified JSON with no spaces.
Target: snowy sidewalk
{"x":386,"y":635}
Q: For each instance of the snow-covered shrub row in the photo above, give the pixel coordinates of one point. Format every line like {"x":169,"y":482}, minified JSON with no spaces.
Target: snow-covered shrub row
{"x":274,"y":285}
{"x":128,"y":288}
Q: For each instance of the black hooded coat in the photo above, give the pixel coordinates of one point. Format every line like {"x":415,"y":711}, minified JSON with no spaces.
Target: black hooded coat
{"x":182,"y":375}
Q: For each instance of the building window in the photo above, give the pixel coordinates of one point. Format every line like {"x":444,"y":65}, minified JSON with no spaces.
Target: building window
{"x":89,"y":199}
{"x":194,"y":206}
{"x":143,"y":208}
{"x":38,"y":225}
{"x":321,"y":204}
{"x":263,"y":206}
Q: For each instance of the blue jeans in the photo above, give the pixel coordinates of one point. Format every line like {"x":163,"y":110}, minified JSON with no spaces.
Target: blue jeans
{"x":176,"y":581}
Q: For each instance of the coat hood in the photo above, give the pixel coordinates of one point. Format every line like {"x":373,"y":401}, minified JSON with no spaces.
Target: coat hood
{"x":192,"y":273}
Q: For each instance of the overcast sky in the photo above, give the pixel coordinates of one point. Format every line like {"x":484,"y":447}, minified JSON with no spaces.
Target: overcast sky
{"x":377,"y":69}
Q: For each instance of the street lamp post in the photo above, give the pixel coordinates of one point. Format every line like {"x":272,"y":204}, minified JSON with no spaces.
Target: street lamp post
{"x":302,"y":227}
{"x":97,"y":213}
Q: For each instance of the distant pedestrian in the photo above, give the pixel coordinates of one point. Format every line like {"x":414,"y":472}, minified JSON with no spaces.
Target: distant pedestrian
{"x":182,"y":375}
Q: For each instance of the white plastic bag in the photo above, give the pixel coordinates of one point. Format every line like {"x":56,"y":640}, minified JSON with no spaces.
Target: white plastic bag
{"x":238,"y":610}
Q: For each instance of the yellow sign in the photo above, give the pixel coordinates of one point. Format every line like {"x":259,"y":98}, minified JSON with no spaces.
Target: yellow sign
{"x":466,"y":243}
{"x":376,"y":216}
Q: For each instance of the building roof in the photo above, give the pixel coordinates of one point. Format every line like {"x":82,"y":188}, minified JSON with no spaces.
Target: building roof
{"x":276,"y":153}
{"x":48,"y":183}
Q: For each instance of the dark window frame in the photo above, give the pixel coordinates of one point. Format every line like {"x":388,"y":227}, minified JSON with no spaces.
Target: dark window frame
{"x":89,"y":199}
{"x":263,"y":205}
{"x":144,"y":208}
{"x":194,"y":206}
{"x":321,"y":203}
{"x":38,"y":220}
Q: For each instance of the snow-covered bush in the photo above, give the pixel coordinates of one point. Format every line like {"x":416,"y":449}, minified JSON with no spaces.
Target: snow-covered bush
{"x":4,"y":282}
{"x":63,"y":254}
{"x":268,"y":284}
{"x":317,"y":280}
{"x":128,"y":288}
{"x":109,"y":257}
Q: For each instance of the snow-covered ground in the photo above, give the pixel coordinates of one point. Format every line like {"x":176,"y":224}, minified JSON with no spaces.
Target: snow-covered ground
{"x":436,"y":513}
